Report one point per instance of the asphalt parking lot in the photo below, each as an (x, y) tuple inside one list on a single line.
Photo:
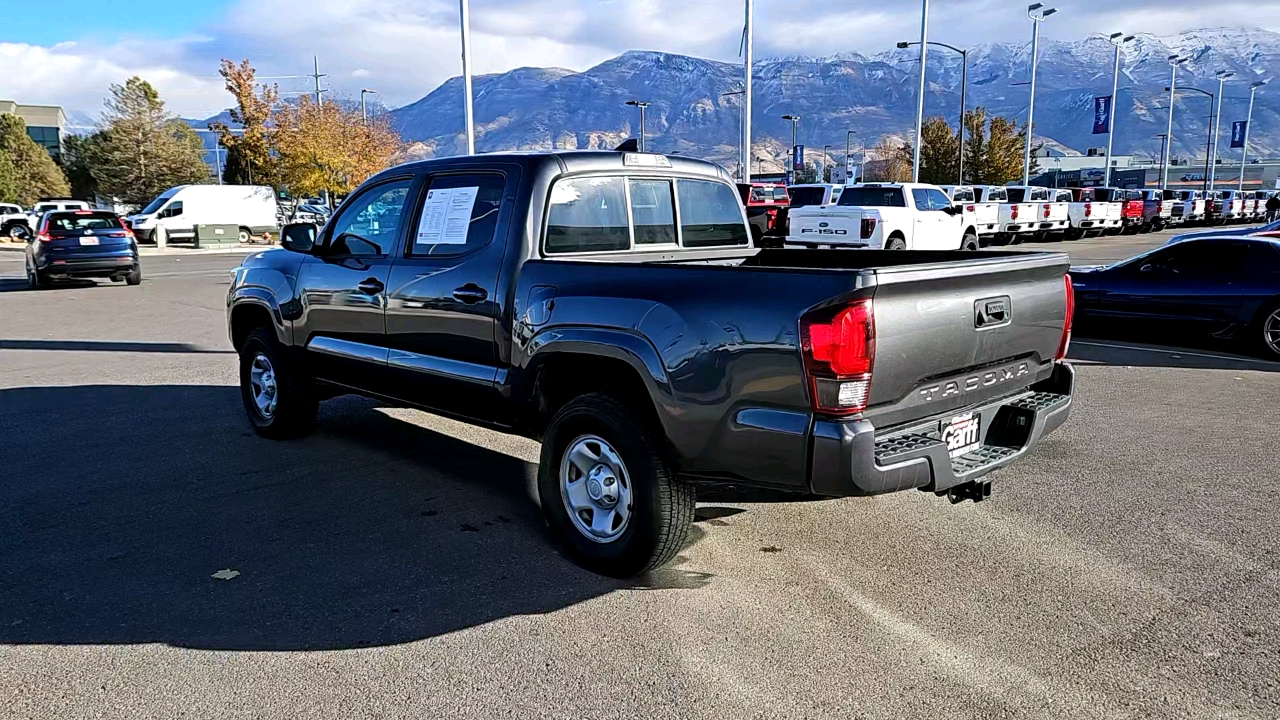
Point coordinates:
[(394, 565)]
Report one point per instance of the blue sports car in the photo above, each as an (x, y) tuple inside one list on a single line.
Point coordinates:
[(1225, 287)]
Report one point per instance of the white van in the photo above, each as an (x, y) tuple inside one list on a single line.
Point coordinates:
[(177, 211)]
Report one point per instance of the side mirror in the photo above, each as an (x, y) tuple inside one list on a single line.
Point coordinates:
[(299, 237)]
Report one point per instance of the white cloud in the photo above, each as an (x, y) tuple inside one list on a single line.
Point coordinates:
[(405, 48)]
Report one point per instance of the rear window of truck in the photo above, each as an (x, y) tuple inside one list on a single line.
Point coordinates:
[(806, 196), (612, 214), (872, 197)]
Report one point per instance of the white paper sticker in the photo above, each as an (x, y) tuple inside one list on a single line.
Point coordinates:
[(446, 216)]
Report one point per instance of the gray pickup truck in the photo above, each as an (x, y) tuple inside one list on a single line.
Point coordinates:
[(612, 306)]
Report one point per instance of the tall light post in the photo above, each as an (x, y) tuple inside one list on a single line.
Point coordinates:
[(1248, 120), (924, 47), (746, 94), (795, 122), (1162, 137), (1174, 62), (464, 19), (826, 164), (1117, 39), (642, 105), (1209, 141), (742, 171), (964, 84), (848, 167), (1037, 12), (1223, 76), (364, 112)]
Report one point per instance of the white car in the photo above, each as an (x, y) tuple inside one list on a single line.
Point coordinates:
[(985, 216), (890, 216)]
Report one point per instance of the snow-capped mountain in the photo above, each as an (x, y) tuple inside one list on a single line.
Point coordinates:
[(541, 108)]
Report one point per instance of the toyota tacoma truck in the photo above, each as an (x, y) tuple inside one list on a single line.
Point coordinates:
[(612, 306)]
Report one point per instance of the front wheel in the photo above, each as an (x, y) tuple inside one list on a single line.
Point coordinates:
[(277, 396), (36, 279), (608, 492)]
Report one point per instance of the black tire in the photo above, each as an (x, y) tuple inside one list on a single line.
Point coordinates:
[(135, 276), (294, 414), (1258, 333), (896, 243), (36, 279), (661, 504), (970, 242)]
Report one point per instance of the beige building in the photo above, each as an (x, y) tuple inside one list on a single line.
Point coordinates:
[(45, 123)]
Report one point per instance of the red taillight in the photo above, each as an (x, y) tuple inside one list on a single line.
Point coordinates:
[(1013, 213), (128, 232), (868, 227), (1046, 211), (970, 208), (1066, 322), (839, 350), (1088, 209), (44, 237)]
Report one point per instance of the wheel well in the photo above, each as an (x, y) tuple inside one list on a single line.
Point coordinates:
[(971, 230), (897, 234), (245, 319), (565, 376)]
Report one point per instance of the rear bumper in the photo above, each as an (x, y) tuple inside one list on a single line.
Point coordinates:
[(851, 458), (102, 266)]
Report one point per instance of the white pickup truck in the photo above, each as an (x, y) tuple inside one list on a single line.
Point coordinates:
[(12, 217), (984, 216), (1050, 215), (890, 216), (808, 194), (1157, 209), (1091, 212), (1230, 206), (1188, 207), (1015, 220)]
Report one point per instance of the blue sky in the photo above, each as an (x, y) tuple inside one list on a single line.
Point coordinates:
[(68, 52), (60, 20)]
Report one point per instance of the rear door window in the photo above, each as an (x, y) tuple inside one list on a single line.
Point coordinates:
[(920, 197), (459, 213), (710, 214), (589, 215)]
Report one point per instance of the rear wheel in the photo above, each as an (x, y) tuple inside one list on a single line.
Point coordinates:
[(278, 397), (608, 492), (135, 276), (1266, 333), (896, 243), (36, 279), (970, 242), (244, 235)]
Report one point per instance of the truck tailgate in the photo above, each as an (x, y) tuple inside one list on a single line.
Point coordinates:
[(951, 335), (840, 226)]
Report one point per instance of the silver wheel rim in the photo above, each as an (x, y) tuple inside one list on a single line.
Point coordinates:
[(596, 489), (262, 385), (1271, 331), (244, 237)]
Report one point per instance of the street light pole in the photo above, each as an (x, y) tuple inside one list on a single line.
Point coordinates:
[(964, 83), (826, 165), (464, 19), (1174, 62), (1223, 76), (924, 46), (795, 121), (746, 94), (364, 112), (1117, 39), (642, 105), (1248, 120), (848, 167), (741, 137), (1037, 12)]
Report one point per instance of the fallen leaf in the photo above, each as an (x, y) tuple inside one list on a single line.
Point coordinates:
[(225, 574)]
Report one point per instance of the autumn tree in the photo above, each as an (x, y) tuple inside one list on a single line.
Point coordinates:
[(31, 174), (325, 147), (145, 150), (248, 159), (939, 152), (891, 164)]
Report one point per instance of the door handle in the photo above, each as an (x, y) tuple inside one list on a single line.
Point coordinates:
[(470, 294), (370, 286)]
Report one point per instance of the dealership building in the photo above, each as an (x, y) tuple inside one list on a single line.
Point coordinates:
[(45, 124)]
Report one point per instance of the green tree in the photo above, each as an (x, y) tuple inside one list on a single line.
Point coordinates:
[(806, 174), (8, 180), (145, 150), (79, 153), (34, 174), (248, 159), (993, 149)]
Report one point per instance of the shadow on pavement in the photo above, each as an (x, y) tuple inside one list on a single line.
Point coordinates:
[(107, 346), (1111, 352), (121, 502)]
